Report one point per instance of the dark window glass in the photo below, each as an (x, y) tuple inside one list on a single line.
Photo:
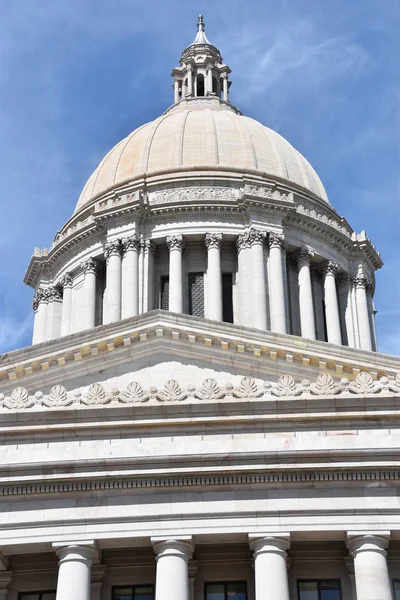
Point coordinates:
[(196, 294), (215, 85), (227, 301), (164, 300), (226, 591), (319, 590), (139, 592), (396, 589), (200, 85)]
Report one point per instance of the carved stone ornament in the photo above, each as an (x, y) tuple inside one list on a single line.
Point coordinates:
[(175, 242), (189, 195), (131, 243), (40, 296), (209, 391), (213, 240), (243, 241), (303, 255), (67, 280), (113, 248), (267, 193), (362, 282), (330, 267), (275, 240), (256, 237), (54, 294), (149, 246), (90, 266)]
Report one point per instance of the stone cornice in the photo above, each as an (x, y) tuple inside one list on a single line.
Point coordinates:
[(190, 192), (224, 342)]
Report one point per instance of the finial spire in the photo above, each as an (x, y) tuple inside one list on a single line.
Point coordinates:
[(200, 23), (201, 36)]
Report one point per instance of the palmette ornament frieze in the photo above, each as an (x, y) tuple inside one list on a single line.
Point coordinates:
[(209, 391)]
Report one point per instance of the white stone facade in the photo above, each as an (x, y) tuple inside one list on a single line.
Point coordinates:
[(203, 413)]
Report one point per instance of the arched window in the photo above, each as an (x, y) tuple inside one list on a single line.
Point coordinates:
[(200, 84)]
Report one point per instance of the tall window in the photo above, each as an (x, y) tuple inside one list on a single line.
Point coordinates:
[(38, 596), (227, 302), (164, 295), (328, 589), (139, 592), (226, 591), (200, 84), (196, 294)]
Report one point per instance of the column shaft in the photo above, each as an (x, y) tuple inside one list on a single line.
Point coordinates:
[(54, 313), (370, 566), (148, 275), (130, 278), (66, 313), (214, 276), (225, 88), (172, 580), (90, 268), (74, 571), (277, 291), (271, 580), (362, 313), (176, 91), (331, 303), (209, 82), (113, 281), (244, 277), (259, 289), (190, 82), (306, 303), (40, 306), (175, 245)]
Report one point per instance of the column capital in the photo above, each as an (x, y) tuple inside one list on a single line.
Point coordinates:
[(76, 551), (67, 280), (54, 294), (213, 240), (175, 242), (257, 237), (40, 296), (275, 240), (367, 542), (277, 543), (303, 254), (113, 248), (330, 267), (181, 546), (361, 281), (149, 246), (243, 241), (130, 243), (91, 265)]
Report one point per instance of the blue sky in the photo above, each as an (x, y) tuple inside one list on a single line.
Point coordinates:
[(77, 76)]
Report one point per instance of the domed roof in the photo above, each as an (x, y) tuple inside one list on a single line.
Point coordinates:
[(207, 135)]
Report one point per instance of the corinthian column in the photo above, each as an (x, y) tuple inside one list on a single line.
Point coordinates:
[(277, 290), (245, 283), (172, 579), (74, 570), (370, 565), (270, 566), (112, 252), (90, 269), (175, 244), (213, 243), (130, 277), (259, 290), (40, 306), (306, 303), (148, 279), (66, 312), (54, 295), (330, 269), (362, 313)]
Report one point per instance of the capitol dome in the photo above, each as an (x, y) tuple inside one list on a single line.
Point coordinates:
[(208, 135), (208, 213)]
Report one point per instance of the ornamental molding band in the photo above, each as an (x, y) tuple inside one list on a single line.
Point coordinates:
[(209, 391)]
